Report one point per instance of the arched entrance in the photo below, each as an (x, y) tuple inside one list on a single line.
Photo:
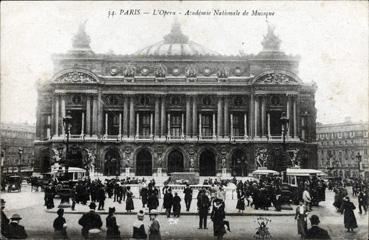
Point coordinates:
[(207, 163), (144, 163), (175, 162), (239, 163), (112, 162)]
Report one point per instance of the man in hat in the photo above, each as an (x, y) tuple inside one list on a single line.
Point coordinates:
[(188, 196), (4, 220), (316, 232), (203, 205), (154, 229), (16, 231), (90, 220)]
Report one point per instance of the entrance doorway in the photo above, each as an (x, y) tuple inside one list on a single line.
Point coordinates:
[(239, 163), (207, 163), (112, 163), (144, 163), (175, 161)]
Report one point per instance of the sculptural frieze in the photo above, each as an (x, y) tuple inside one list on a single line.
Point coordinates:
[(129, 71), (276, 78), (75, 77), (191, 71), (223, 72), (160, 71)]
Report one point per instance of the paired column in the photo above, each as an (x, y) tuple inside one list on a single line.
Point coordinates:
[(120, 125), (200, 126), (137, 125), (125, 117), (263, 116), (157, 116), (268, 125), (56, 115), (168, 131), (106, 124), (294, 118), (151, 125), (182, 126), (226, 118), (194, 117), (214, 134), (63, 112), (48, 134), (256, 116), (219, 117), (251, 115), (288, 113), (245, 124), (94, 116), (188, 116), (163, 115), (100, 115), (83, 124), (231, 125), (131, 117), (88, 115)]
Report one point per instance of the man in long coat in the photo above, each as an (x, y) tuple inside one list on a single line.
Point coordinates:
[(90, 220), (203, 205), (188, 196)]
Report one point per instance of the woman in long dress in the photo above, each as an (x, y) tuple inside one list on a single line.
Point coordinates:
[(154, 228), (349, 219), (129, 201), (241, 200), (300, 216)]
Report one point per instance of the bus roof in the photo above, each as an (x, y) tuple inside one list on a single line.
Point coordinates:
[(265, 172), (304, 172)]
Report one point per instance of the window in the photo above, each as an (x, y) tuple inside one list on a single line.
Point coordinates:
[(207, 125), (113, 123), (176, 125), (238, 124), (144, 124)]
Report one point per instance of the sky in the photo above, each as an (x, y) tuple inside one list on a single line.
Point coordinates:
[(331, 37)]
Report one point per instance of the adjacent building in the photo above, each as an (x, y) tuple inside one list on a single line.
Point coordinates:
[(343, 148), (176, 106), (17, 148)]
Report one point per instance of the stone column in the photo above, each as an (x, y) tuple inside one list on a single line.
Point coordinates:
[(131, 117), (157, 115), (226, 116), (194, 117), (163, 115), (219, 118), (214, 129), (245, 124), (48, 134), (125, 117), (94, 116), (262, 116), (100, 116), (120, 125), (83, 124), (168, 131), (251, 115), (288, 113), (56, 115), (231, 125), (182, 125), (268, 125), (294, 119), (200, 126), (63, 112), (88, 116), (106, 124), (188, 116), (256, 116), (151, 125), (137, 125)]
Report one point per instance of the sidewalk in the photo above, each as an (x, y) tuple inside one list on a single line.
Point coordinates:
[(120, 208)]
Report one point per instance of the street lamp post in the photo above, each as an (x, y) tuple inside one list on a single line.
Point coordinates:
[(284, 122), (358, 157), (67, 125), (20, 152)]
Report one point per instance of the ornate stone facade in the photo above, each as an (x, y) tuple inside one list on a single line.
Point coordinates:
[(177, 106)]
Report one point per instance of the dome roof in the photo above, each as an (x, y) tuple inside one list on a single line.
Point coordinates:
[(176, 44)]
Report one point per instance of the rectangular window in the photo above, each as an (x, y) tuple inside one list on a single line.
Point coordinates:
[(113, 123), (76, 122), (238, 124), (144, 124), (207, 125), (176, 125)]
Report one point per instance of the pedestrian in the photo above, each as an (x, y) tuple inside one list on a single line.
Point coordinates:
[(139, 227), (347, 209), (300, 216), (154, 228), (49, 197), (152, 201), (90, 221), (15, 230), (176, 205), (218, 216), (315, 232), (188, 196), (60, 225), (307, 199), (4, 220), (240, 200), (73, 197), (129, 200), (203, 205), (168, 202), (363, 201), (112, 229), (144, 195), (100, 196)]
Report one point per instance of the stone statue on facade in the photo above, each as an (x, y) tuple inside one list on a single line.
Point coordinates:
[(192, 163), (271, 41), (261, 157), (223, 163), (191, 71), (223, 72), (160, 71), (293, 157), (129, 71)]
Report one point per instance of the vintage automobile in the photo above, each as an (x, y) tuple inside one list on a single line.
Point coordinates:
[(14, 183), (264, 172)]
